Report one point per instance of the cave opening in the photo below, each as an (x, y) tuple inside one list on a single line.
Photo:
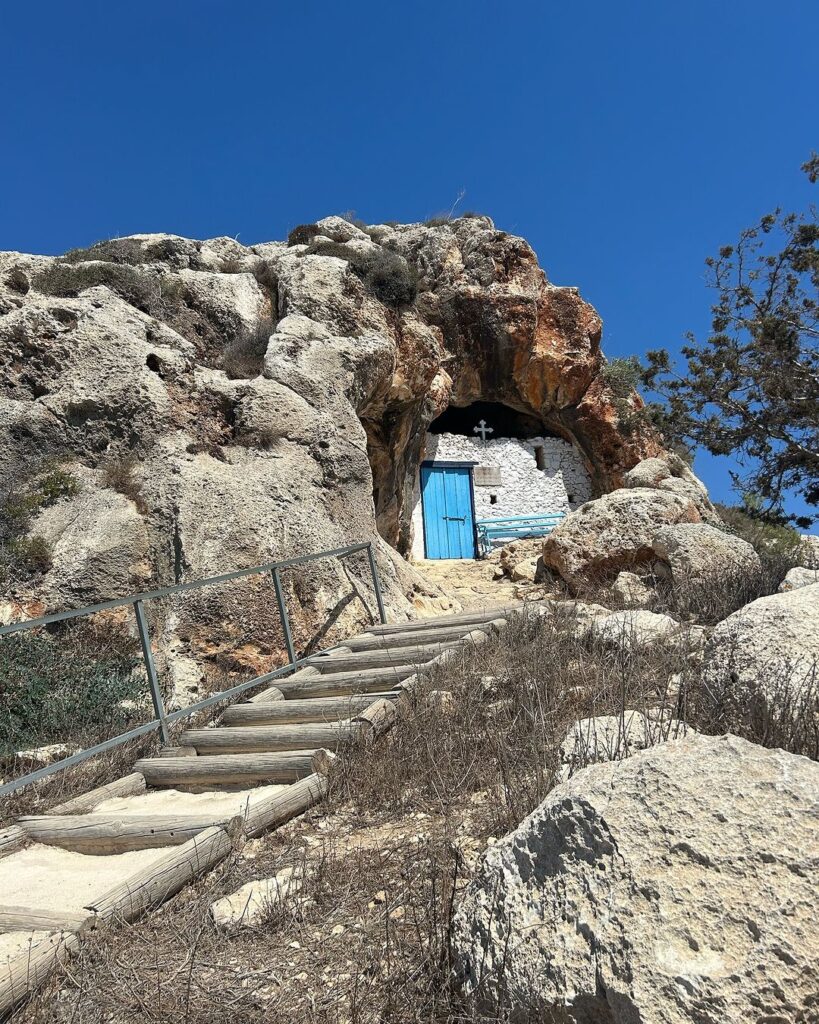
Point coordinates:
[(500, 421)]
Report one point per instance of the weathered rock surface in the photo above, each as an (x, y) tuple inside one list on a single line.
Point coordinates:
[(798, 577), (631, 591), (276, 399), (633, 629), (767, 652), (257, 900), (702, 558), (616, 532), (676, 885)]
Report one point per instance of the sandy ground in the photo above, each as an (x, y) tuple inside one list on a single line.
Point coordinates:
[(220, 803), (61, 880), (470, 582)]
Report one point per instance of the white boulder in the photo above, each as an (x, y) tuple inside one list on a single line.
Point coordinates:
[(675, 886), (767, 652), (798, 577)]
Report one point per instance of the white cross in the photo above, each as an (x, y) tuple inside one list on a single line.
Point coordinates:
[(483, 430)]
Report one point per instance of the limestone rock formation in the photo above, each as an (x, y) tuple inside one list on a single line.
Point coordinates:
[(702, 559), (767, 654), (633, 629), (615, 532), (223, 405), (676, 885), (630, 591)]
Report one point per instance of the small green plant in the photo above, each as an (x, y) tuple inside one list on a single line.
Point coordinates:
[(621, 376), (58, 690), (22, 556)]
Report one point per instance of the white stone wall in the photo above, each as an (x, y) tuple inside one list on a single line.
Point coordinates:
[(524, 488)]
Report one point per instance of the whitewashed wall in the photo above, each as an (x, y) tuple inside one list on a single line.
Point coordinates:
[(524, 488)]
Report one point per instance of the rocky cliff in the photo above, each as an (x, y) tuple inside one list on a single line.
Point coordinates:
[(217, 405)]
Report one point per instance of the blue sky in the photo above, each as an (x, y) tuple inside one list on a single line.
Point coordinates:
[(626, 141)]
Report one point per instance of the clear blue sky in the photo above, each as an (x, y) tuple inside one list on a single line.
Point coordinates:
[(626, 141)]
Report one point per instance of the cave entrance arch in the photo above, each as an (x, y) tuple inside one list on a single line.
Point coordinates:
[(516, 466)]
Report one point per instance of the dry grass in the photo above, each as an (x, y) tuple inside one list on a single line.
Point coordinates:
[(366, 939)]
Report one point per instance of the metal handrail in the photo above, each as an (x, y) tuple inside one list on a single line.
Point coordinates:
[(162, 719)]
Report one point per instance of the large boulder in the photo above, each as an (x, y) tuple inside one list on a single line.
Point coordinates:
[(633, 629), (616, 532), (766, 655), (675, 886), (671, 474), (702, 558)]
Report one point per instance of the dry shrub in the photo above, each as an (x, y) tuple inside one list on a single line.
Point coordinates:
[(244, 355), (497, 738), (119, 472)]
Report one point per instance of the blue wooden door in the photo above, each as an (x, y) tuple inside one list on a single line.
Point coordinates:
[(449, 529)]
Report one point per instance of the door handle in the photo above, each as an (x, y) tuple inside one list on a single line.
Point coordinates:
[(456, 519)]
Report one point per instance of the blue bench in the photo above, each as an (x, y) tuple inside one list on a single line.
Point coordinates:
[(514, 528)]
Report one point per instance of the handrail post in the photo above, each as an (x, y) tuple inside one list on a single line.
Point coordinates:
[(376, 584), (288, 638), (150, 668)]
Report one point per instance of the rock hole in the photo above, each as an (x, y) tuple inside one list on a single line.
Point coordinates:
[(154, 365), (540, 457)]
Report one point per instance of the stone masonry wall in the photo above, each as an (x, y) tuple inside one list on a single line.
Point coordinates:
[(562, 484)]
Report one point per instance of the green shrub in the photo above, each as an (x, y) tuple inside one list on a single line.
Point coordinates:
[(303, 234), (68, 280), (55, 690), (22, 556), (111, 250), (32, 553), (392, 280)]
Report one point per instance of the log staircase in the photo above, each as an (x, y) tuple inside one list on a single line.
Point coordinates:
[(286, 736)]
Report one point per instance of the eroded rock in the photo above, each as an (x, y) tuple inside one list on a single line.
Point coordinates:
[(668, 887)]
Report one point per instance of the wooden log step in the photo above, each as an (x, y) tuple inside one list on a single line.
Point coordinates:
[(417, 655), (268, 738), (321, 709), (395, 641), (470, 618), (128, 785), (274, 810), (105, 833), (35, 919), (158, 881), (12, 839), (228, 769), (24, 974), (336, 684)]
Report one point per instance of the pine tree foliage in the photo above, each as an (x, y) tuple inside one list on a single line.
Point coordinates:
[(751, 389)]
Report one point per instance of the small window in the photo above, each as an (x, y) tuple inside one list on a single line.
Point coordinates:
[(570, 498), (540, 457), (493, 499)]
